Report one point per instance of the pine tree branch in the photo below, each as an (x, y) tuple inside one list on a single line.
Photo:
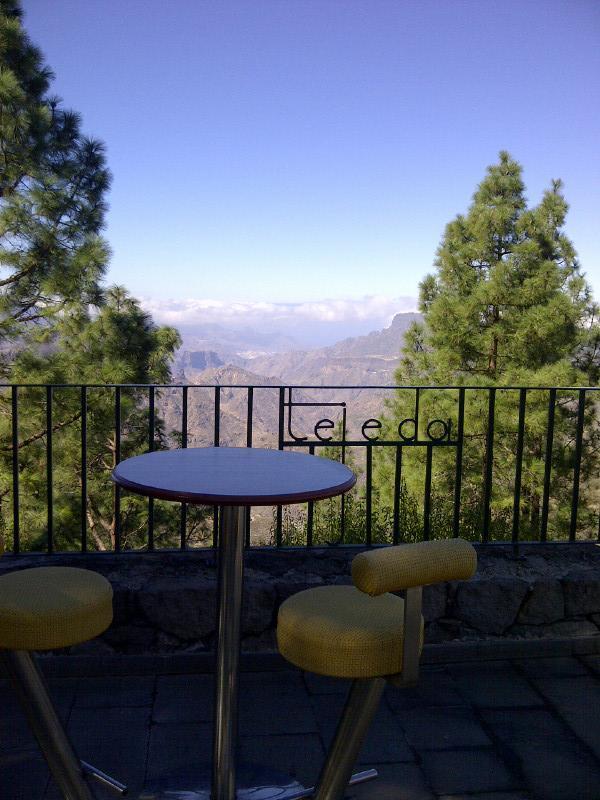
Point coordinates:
[(59, 426)]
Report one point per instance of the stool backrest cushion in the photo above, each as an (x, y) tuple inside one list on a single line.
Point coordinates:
[(391, 569)]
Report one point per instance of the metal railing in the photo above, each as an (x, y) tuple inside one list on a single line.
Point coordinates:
[(548, 438)]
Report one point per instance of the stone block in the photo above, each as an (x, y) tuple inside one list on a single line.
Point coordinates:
[(129, 638), (434, 601), (124, 605), (582, 593), (564, 628), (94, 647), (544, 603), (262, 643), (258, 607), (490, 606), (442, 630), (295, 581), (185, 607)]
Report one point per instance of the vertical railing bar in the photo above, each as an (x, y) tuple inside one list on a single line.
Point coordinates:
[(417, 402), (518, 471), (459, 460), (249, 436), (151, 435), (250, 417), (311, 511), (343, 500), (369, 498), (279, 511), (49, 470), (117, 459), (184, 444), (548, 465), (83, 411), (427, 500), (489, 463), (15, 469), (217, 423), (397, 491), (216, 443), (577, 467)]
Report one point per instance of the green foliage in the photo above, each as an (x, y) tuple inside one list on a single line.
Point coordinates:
[(52, 185), (58, 325), (82, 350), (507, 305)]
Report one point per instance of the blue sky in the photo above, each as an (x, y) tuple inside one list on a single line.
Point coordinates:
[(283, 154)]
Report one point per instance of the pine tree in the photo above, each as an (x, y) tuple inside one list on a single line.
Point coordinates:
[(507, 305), (118, 345), (52, 186), (58, 325)]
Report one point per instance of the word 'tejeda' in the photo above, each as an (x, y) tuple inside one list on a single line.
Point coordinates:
[(438, 430)]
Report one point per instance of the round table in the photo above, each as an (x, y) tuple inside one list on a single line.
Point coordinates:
[(233, 478)]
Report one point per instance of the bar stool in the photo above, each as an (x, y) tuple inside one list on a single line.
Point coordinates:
[(42, 609), (365, 633)]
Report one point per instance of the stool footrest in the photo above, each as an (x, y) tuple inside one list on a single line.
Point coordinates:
[(103, 778), (358, 777)]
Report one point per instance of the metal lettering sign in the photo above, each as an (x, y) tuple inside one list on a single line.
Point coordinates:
[(438, 432)]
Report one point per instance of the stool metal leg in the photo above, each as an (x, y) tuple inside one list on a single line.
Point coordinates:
[(30, 688), (360, 708)]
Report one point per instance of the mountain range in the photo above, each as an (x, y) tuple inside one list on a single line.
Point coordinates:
[(360, 360), (355, 366)]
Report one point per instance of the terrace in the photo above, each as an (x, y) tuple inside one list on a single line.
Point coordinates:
[(507, 701), (486, 730)]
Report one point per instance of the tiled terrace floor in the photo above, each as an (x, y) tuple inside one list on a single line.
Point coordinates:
[(496, 730)]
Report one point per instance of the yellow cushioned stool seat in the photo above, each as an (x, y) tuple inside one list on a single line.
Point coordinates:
[(48, 607), (342, 632)]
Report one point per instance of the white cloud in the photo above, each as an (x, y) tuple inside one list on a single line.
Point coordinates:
[(376, 308)]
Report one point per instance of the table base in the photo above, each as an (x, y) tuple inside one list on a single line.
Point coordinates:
[(254, 783)]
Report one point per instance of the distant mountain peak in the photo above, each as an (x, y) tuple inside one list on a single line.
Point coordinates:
[(386, 343)]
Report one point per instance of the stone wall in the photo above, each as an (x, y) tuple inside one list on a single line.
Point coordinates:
[(165, 602)]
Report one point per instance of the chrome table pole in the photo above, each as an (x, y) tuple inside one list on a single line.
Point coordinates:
[(229, 618)]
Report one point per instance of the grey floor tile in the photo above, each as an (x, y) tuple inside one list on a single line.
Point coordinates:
[(276, 713), (273, 703), (178, 748), (297, 756), (593, 662), (436, 687), (113, 739), (467, 771), (14, 730), (115, 691), (385, 741), (394, 782), (567, 667), (494, 685), (443, 728), (578, 703), (518, 795), (322, 684), (23, 776), (553, 762), (15, 733), (281, 681), (183, 698)]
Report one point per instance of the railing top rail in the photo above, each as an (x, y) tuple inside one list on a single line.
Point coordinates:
[(288, 386)]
